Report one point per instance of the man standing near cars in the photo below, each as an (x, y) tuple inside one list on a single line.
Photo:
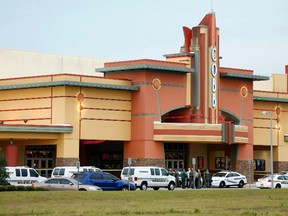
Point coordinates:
[(207, 179), (183, 178)]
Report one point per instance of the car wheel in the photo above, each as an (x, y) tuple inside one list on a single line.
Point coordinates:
[(222, 184), (241, 184), (143, 186), (171, 186), (124, 188), (278, 186), (156, 188)]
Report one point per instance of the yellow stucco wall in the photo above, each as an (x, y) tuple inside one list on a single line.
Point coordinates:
[(105, 113)]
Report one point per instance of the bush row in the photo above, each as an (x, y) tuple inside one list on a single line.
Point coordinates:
[(21, 188)]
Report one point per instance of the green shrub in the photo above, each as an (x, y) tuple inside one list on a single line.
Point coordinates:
[(3, 174), (21, 188)]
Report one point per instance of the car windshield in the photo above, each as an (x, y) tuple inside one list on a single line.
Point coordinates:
[(220, 174)]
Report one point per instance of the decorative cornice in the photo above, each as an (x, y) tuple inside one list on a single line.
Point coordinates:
[(244, 76), (145, 67), (37, 128), (68, 83), (283, 100)]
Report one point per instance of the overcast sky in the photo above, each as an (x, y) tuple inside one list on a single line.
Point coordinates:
[(253, 33)]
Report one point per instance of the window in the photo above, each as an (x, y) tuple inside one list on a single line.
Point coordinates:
[(152, 171), (157, 171), (18, 172), (259, 165), (96, 176), (33, 173), (64, 181), (219, 163), (164, 172), (126, 171), (61, 171), (24, 172), (56, 171), (52, 181)]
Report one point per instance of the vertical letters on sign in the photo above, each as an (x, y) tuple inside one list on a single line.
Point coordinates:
[(214, 71)]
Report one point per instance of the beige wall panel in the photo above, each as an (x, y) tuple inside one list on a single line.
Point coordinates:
[(106, 114), (198, 151), (68, 148), (265, 94), (66, 77), (106, 81), (25, 104), (25, 93), (26, 80), (107, 104), (105, 130), (27, 114), (180, 138), (262, 137), (280, 82), (106, 93), (187, 126)]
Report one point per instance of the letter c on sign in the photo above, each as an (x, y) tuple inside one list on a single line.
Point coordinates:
[(213, 54)]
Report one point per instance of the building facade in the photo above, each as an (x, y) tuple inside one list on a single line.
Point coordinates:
[(184, 111)]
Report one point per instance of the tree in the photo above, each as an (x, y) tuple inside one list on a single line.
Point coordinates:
[(3, 174)]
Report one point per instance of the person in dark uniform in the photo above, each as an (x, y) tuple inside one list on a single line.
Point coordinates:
[(207, 179), (176, 175), (199, 179), (183, 178)]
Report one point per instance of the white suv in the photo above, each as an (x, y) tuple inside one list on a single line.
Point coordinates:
[(148, 176), (228, 178)]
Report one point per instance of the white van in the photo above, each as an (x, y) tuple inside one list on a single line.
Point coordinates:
[(68, 171), (22, 175), (148, 176)]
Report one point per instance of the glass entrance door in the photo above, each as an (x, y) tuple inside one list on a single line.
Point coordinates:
[(42, 158)]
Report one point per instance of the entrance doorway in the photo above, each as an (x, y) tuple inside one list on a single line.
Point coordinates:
[(176, 155), (42, 158)]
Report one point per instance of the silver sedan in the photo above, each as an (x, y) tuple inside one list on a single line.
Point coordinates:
[(65, 184)]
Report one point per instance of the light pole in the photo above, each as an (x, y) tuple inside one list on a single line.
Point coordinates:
[(271, 147)]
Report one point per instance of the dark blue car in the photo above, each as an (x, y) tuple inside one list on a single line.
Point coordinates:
[(104, 180)]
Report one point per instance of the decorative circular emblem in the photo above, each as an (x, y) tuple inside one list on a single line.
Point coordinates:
[(156, 84), (244, 91), (278, 110), (80, 97)]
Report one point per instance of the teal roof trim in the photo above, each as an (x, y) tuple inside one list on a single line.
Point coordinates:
[(144, 67), (244, 76), (283, 100), (68, 83), (36, 129)]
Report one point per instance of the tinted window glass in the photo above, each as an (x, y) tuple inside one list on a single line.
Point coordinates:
[(24, 172), (18, 172), (80, 176), (52, 181), (126, 170), (96, 176), (164, 172), (152, 171), (157, 171), (56, 171), (106, 176), (64, 181), (61, 171), (33, 173)]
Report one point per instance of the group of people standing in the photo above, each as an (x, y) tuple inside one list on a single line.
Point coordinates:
[(192, 178)]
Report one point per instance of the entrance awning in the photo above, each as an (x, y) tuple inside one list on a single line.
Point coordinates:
[(200, 133)]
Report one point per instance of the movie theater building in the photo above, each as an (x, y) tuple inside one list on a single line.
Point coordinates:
[(155, 112)]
